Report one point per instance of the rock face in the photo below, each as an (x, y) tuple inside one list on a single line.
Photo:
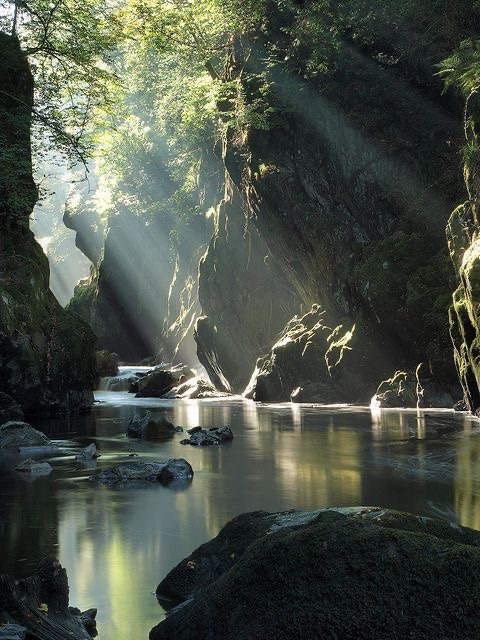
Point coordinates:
[(464, 246), (363, 573), (342, 203), (46, 353), (176, 468), (138, 302), (9, 409), (39, 604)]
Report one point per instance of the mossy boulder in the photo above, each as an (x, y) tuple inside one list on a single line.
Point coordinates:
[(363, 573)]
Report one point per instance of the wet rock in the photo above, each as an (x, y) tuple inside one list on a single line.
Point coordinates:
[(12, 632), (40, 605), (87, 619), (88, 453), (9, 409), (160, 381), (202, 437), (150, 427), (179, 429), (363, 573), (21, 434), (153, 471), (34, 467)]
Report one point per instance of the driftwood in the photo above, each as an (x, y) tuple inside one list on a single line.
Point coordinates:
[(40, 604)]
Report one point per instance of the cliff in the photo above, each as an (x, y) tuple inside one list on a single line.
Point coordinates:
[(46, 353), (347, 190)]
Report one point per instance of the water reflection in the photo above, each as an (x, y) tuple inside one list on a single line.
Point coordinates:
[(117, 543)]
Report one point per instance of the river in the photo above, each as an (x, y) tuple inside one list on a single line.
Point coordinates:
[(117, 543)]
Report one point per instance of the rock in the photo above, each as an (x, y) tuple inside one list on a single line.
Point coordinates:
[(202, 437), (363, 573), (21, 434), (88, 453), (160, 381), (313, 362), (150, 427), (461, 405), (87, 619), (177, 468), (195, 389), (106, 363), (9, 409), (179, 429), (34, 467), (194, 430), (12, 632), (39, 604), (412, 389)]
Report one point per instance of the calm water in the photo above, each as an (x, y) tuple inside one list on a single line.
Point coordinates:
[(117, 543)]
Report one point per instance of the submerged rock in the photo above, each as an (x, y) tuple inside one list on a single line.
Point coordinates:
[(21, 434), (34, 467), (363, 573), (39, 604), (150, 427), (88, 453), (175, 468)]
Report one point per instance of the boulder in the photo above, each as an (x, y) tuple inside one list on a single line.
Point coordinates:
[(150, 427), (9, 409), (21, 434), (162, 380), (39, 606), (363, 573), (175, 468)]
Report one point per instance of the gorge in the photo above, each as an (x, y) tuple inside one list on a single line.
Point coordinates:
[(275, 213)]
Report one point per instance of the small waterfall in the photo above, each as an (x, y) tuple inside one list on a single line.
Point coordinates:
[(124, 378)]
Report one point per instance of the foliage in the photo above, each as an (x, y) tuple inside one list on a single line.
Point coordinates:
[(69, 46)]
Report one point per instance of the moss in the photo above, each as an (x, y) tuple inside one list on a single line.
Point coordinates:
[(372, 576)]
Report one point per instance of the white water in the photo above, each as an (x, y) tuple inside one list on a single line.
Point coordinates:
[(124, 378)]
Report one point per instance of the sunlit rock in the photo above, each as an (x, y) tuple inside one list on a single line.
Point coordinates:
[(313, 363), (161, 381), (195, 389), (176, 468), (359, 572)]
